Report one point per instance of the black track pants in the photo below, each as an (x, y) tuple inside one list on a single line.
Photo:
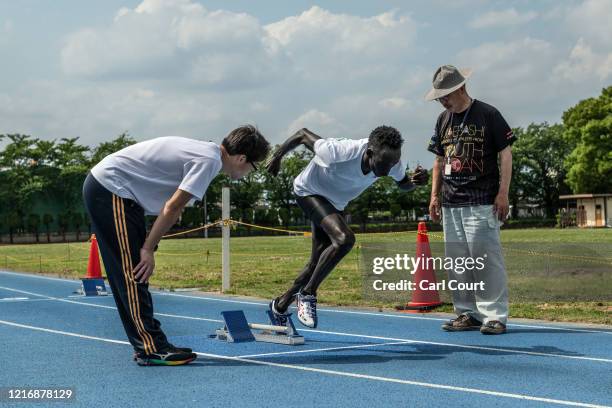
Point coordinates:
[(119, 225)]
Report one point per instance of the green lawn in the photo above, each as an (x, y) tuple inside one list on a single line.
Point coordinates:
[(554, 274)]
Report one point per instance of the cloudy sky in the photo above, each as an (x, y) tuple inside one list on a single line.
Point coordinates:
[(94, 69)]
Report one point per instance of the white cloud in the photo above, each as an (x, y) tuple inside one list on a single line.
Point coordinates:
[(322, 44), (507, 61), (590, 60), (121, 12), (513, 76), (457, 4), (175, 67), (6, 32), (7, 26), (174, 40), (258, 106), (509, 17), (182, 41), (48, 109), (342, 32), (275, 72), (584, 63), (591, 20), (314, 119), (393, 103)]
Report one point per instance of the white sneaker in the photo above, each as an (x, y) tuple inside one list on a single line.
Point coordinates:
[(307, 310)]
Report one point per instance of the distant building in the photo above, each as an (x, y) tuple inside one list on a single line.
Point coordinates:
[(586, 210), (529, 210)]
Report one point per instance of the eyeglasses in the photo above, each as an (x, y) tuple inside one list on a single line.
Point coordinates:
[(254, 165), (443, 98)]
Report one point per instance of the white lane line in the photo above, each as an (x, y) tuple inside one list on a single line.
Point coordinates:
[(12, 299), (46, 299), (75, 302), (332, 372), (366, 336), (215, 299), (65, 333), (396, 316), (358, 346), (464, 346), (31, 275)]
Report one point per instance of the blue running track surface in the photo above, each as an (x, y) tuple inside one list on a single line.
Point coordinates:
[(356, 358)]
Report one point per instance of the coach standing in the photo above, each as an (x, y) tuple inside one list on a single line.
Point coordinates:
[(472, 171)]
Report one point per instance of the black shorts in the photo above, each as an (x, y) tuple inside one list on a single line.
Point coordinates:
[(316, 207)]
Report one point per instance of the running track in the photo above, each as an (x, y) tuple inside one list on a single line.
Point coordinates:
[(354, 359)]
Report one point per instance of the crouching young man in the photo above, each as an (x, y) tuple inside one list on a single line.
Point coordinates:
[(156, 177)]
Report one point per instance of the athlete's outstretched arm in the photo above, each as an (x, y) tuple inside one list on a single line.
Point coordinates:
[(301, 137), (418, 178)]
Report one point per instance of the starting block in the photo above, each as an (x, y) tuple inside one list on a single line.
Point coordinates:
[(93, 287), (237, 329)]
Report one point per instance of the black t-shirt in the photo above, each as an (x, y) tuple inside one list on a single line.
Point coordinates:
[(472, 154)]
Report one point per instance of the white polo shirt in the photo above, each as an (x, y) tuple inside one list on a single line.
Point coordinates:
[(335, 172), (150, 172)]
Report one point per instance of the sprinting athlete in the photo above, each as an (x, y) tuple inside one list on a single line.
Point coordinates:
[(158, 177), (340, 171)]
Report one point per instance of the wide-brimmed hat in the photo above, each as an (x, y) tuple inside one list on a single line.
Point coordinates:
[(447, 79)]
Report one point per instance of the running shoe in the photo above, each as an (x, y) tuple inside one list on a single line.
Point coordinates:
[(169, 356), (278, 318), (307, 310)]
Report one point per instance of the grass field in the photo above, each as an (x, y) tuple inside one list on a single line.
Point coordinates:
[(563, 275)]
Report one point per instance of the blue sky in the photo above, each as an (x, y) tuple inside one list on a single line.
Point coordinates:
[(200, 68)]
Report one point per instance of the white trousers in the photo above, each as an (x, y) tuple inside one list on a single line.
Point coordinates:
[(474, 232)]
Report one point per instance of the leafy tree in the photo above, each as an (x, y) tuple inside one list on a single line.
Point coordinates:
[(87, 222), (191, 217), (246, 194), (588, 127), (213, 197), (375, 197), (20, 183), (279, 189), (538, 165), (63, 221), (417, 200), (106, 148), (395, 209), (77, 222), (266, 216), (384, 195), (13, 221), (34, 225), (47, 219), (73, 164)]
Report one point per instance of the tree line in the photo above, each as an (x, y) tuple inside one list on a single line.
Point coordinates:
[(574, 156)]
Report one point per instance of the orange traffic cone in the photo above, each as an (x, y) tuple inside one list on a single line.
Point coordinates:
[(423, 300), (93, 283), (93, 266)]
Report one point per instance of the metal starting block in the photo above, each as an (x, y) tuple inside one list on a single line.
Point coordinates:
[(92, 287), (237, 329)]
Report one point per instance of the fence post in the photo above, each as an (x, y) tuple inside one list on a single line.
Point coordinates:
[(225, 246), (205, 217)]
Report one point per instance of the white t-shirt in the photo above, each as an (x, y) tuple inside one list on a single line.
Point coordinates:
[(335, 172), (150, 172)]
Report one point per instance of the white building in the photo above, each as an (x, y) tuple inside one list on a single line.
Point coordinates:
[(591, 210)]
